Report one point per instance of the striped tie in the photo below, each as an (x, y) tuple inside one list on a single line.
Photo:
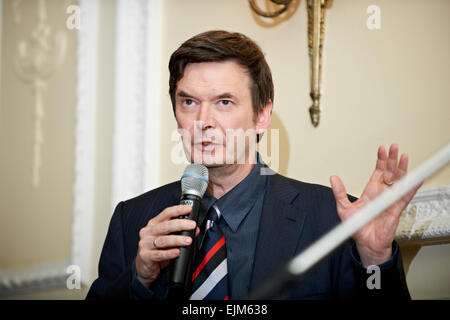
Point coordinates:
[(210, 278)]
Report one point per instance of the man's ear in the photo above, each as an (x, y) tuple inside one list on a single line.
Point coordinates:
[(264, 118)]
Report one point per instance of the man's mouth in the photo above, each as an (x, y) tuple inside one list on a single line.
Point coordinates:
[(206, 145)]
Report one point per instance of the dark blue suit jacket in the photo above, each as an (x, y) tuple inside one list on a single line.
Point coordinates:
[(295, 214)]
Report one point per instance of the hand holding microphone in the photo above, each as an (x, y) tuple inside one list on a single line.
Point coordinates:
[(157, 245), (165, 238)]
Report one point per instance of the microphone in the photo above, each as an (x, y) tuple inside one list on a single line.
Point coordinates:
[(194, 182)]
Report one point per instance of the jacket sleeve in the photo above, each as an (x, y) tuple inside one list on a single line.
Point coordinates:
[(385, 281), (117, 278), (114, 277)]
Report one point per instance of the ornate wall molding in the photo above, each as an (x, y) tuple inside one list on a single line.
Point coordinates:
[(85, 132), (136, 117), (153, 94), (50, 274), (136, 128), (129, 100), (40, 276), (426, 220), (37, 58), (136, 109)]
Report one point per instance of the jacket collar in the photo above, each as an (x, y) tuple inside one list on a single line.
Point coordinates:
[(280, 228)]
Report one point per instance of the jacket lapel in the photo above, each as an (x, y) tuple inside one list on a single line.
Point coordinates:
[(280, 228)]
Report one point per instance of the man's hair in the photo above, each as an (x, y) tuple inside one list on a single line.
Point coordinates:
[(219, 45)]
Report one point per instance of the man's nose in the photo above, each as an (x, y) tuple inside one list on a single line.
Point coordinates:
[(206, 117)]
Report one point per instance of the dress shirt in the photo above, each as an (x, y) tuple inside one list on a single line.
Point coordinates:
[(241, 209)]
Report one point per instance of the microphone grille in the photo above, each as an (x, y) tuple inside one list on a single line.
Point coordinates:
[(194, 180)]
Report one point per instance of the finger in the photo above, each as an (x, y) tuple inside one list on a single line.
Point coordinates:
[(340, 194), (161, 255), (171, 212), (167, 241), (172, 241), (377, 174), (402, 168), (381, 159), (145, 232), (173, 225), (153, 226), (391, 164)]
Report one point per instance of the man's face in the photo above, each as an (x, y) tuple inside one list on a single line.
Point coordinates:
[(215, 115)]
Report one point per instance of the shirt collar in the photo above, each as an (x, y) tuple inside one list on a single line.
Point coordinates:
[(237, 203)]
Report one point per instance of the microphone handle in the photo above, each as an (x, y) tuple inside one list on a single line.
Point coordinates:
[(178, 266)]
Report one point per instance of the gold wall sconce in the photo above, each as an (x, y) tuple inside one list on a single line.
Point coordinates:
[(316, 30)]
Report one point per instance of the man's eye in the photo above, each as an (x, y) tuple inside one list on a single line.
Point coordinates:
[(188, 102), (225, 103)]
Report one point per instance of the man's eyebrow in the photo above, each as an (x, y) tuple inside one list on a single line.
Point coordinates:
[(184, 94), (226, 95)]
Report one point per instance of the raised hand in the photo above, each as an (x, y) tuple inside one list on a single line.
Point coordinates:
[(374, 240)]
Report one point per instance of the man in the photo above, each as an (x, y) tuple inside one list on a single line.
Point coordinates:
[(221, 87)]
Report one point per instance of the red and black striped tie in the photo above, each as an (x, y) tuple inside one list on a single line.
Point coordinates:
[(210, 278)]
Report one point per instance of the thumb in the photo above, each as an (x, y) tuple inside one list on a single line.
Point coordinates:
[(340, 194)]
